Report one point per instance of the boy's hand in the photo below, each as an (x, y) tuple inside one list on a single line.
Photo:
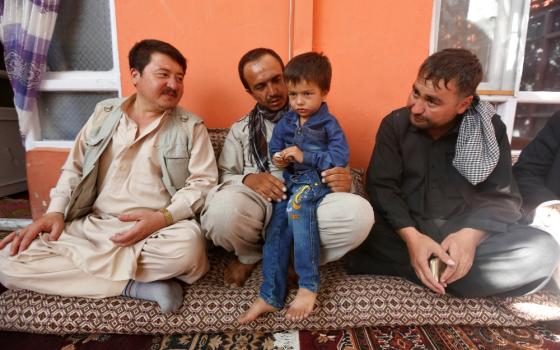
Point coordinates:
[(279, 161), (293, 153)]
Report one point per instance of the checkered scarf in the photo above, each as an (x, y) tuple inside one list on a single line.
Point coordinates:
[(257, 133), (477, 151)]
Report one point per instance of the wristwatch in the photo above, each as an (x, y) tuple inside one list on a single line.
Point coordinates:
[(167, 215)]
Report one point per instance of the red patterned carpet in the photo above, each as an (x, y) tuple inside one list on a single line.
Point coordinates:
[(429, 337), (418, 338), (15, 208)]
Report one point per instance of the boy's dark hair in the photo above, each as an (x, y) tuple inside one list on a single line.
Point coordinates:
[(449, 64), (254, 55), (140, 54), (311, 67)]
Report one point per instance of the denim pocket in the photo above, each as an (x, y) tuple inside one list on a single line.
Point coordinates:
[(315, 140)]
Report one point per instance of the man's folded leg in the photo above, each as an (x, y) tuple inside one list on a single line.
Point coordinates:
[(177, 251), (234, 218), (518, 262), (42, 271)]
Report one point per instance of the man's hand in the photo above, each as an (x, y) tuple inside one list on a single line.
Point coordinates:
[(147, 222), (52, 223), (547, 216), (266, 185), (338, 179), (292, 153), (461, 246), (421, 248)]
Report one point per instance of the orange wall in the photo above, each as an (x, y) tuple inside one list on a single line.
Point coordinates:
[(43, 169), (375, 48), (213, 35)]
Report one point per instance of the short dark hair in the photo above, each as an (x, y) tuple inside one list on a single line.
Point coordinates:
[(460, 65), (312, 67), (140, 54), (254, 55)]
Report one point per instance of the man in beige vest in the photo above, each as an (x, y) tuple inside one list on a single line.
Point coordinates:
[(121, 217), (237, 211)]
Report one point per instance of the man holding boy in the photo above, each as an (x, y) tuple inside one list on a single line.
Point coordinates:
[(305, 142), (441, 184), (121, 220), (237, 211)]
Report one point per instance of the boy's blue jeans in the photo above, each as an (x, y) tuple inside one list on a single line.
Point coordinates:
[(293, 220)]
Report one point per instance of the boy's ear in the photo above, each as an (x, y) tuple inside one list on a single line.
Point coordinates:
[(324, 95)]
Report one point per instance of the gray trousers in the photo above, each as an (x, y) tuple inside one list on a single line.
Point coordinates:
[(235, 217), (518, 262)]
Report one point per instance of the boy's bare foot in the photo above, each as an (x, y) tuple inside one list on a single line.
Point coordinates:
[(302, 305), (258, 308), (236, 273)]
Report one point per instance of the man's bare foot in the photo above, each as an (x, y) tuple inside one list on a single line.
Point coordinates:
[(258, 308), (236, 273), (302, 305)]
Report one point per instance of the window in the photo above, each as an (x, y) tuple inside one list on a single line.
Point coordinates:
[(541, 69), (529, 120), (518, 42), (489, 28), (82, 69)]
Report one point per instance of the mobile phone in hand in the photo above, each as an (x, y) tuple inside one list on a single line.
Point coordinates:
[(436, 267)]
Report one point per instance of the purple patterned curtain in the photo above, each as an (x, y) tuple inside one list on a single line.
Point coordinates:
[(26, 28)]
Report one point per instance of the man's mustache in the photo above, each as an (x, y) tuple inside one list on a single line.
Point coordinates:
[(170, 91)]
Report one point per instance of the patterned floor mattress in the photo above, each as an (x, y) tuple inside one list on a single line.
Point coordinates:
[(344, 301)]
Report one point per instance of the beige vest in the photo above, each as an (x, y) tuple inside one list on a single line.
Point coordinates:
[(174, 149)]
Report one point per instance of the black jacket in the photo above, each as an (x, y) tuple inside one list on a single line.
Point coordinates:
[(538, 169), (411, 181)]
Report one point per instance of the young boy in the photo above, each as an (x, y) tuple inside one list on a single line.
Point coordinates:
[(306, 141)]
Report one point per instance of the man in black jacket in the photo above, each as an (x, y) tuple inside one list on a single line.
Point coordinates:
[(441, 186), (538, 169), (538, 175)]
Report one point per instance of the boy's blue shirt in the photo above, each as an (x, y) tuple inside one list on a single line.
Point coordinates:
[(321, 140)]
